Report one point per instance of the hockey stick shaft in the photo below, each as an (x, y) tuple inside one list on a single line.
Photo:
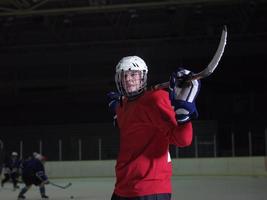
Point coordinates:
[(211, 66), (60, 186)]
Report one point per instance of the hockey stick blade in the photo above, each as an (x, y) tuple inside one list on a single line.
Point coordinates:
[(215, 60), (211, 66), (60, 186)]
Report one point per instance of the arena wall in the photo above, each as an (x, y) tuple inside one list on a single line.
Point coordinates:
[(254, 166)]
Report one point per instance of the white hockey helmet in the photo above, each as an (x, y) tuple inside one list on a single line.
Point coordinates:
[(131, 63), (40, 157), (35, 154), (14, 153)]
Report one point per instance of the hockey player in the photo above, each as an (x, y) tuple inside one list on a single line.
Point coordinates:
[(11, 170), (33, 173), (149, 121)]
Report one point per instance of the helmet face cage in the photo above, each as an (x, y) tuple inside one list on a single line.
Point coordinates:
[(126, 65), (122, 85)]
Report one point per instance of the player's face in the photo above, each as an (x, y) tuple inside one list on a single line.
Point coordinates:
[(131, 81)]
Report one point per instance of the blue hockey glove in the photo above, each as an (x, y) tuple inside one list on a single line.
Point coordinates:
[(114, 99), (183, 94), (41, 175)]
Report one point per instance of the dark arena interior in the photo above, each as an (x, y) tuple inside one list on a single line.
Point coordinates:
[(58, 61)]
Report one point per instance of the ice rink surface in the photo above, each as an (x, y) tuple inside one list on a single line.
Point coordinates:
[(184, 188)]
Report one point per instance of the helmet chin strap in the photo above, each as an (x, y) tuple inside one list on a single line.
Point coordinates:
[(136, 95)]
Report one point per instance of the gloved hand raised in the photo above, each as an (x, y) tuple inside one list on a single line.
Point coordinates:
[(182, 95), (114, 99)]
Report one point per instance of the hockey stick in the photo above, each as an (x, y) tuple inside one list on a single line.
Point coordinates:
[(60, 186), (210, 68)]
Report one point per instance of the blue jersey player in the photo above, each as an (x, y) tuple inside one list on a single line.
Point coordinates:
[(33, 173), (11, 170)]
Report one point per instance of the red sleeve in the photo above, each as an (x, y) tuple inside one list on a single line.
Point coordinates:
[(179, 135)]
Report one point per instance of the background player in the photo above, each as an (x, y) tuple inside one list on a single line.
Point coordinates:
[(149, 121), (33, 173), (11, 170)]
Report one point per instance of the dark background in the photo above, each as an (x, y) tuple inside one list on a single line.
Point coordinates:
[(58, 58)]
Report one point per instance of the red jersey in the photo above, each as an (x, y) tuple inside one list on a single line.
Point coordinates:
[(147, 127)]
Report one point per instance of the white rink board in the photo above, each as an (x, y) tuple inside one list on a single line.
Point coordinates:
[(184, 188), (184, 166)]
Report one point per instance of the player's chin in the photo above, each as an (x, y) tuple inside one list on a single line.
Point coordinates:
[(131, 89)]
